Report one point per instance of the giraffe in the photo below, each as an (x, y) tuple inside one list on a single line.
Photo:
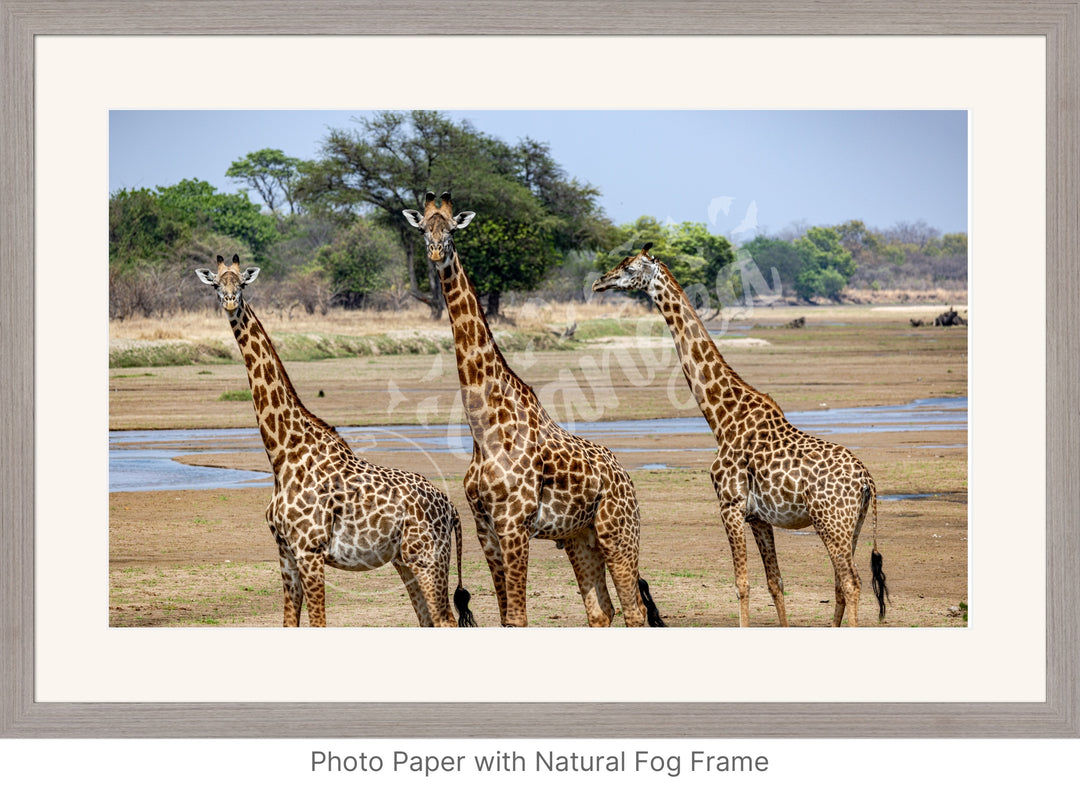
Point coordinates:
[(330, 507), (767, 472), (529, 477)]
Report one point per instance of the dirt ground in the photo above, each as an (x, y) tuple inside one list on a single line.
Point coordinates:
[(199, 557)]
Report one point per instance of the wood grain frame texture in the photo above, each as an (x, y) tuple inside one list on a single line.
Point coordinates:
[(21, 716)]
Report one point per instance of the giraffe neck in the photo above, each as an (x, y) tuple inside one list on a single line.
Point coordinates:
[(284, 423), (493, 395), (716, 387)]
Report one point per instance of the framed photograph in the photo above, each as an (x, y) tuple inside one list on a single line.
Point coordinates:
[(1010, 66)]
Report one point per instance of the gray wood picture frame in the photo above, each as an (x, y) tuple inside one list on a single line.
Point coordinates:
[(22, 716)]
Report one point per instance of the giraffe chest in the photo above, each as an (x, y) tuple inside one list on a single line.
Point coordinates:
[(561, 514), (779, 505)]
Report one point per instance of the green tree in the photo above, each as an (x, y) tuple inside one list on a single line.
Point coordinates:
[(954, 245), (781, 255), (829, 265), (197, 204), (863, 243), (821, 249), (271, 173), (360, 261), (715, 252), (505, 254), (141, 228)]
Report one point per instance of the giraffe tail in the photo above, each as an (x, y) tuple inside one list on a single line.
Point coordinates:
[(881, 591), (461, 596), (652, 612)]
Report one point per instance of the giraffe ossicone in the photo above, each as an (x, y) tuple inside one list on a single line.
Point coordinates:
[(329, 507), (528, 477), (767, 472)]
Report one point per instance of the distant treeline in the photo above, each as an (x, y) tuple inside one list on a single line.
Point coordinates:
[(330, 231)]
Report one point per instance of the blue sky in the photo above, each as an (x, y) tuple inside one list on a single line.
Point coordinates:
[(740, 172)]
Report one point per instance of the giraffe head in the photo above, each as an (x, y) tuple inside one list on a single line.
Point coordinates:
[(228, 282), (438, 225), (633, 273)]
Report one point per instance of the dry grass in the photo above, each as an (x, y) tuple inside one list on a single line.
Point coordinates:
[(908, 296), (209, 324), (528, 315)]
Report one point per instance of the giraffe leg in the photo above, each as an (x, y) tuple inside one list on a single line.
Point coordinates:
[(416, 594), (841, 600), (626, 586), (294, 589), (617, 535), (588, 566), (838, 545), (514, 544), (729, 481), (485, 534), (312, 577), (763, 535), (427, 559), (489, 543), (735, 525)]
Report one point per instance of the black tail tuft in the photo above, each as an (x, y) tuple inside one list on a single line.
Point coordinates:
[(651, 610), (461, 602), (881, 591)]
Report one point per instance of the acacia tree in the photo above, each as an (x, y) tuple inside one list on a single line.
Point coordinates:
[(388, 163), (392, 159), (271, 173)]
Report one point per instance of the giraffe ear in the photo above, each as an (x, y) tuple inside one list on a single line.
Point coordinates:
[(206, 276), (461, 220), (250, 275), (413, 217)]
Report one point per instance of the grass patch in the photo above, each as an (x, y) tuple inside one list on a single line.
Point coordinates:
[(599, 328), (169, 353), (236, 394), (309, 347)]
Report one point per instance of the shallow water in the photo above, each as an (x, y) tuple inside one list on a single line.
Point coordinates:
[(144, 460)]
